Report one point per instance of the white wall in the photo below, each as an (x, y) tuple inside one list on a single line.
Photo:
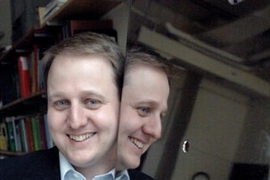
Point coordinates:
[(255, 139), (214, 132), (156, 150), (120, 17)]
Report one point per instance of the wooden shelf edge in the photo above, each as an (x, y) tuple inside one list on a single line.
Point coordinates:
[(62, 12), (12, 153), (19, 42), (13, 103), (84, 8)]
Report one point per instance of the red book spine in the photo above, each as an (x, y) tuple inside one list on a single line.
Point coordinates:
[(24, 76), (29, 134)]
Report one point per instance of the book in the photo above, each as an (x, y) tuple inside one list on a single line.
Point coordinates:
[(15, 120), (8, 85), (50, 9), (29, 134), (34, 69), (35, 131), (42, 133), (23, 135), (47, 131), (17, 133), (10, 133), (24, 76), (3, 137), (15, 83), (5, 80), (40, 75), (40, 11)]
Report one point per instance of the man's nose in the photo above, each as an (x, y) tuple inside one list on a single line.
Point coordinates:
[(153, 127), (76, 116)]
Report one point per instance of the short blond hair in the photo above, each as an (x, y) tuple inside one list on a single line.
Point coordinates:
[(137, 55), (88, 43)]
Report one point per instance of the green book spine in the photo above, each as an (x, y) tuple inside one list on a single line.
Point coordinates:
[(10, 132), (35, 130)]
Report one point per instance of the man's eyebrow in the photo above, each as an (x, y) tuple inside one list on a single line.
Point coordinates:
[(148, 102), (56, 94), (83, 93), (95, 94)]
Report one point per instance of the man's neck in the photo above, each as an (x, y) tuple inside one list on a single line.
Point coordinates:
[(88, 172)]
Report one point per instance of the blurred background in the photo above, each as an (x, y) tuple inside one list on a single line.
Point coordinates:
[(220, 93)]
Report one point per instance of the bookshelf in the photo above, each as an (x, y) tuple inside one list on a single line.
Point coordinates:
[(18, 108), (72, 9), (25, 105), (88, 9), (10, 153)]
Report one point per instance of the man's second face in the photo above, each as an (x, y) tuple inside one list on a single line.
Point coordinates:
[(144, 102)]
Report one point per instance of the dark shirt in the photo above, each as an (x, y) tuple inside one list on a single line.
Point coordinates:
[(138, 175), (42, 164)]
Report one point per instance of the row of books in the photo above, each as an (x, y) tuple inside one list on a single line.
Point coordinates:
[(23, 78), (25, 133), (8, 91), (30, 71)]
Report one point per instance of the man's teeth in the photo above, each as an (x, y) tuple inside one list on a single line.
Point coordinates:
[(138, 143), (81, 137)]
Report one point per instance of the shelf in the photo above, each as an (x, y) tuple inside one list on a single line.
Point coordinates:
[(35, 102), (12, 153), (83, 9), (44, 33), (72, 9), (25, 44), (10, 53)]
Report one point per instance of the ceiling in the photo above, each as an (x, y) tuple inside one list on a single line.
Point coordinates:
[(242, 30)]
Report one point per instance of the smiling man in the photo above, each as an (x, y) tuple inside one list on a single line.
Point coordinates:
[(143, 104), (83, 112), (83, 88), (84, 81)]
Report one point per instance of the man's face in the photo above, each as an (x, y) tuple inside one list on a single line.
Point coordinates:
[(144, 102), (83, 107)]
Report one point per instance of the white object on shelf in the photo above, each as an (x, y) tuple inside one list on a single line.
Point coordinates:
[(50, 9)]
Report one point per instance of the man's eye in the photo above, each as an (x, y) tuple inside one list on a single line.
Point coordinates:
[(93, 103), (143, 111), (61, 104)]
